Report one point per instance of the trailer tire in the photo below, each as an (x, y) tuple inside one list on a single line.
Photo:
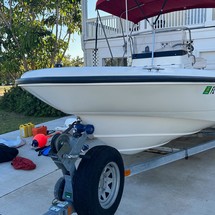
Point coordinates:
[(59, 188), (98, 182)]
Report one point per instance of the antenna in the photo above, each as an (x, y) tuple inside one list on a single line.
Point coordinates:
[(127, 48)]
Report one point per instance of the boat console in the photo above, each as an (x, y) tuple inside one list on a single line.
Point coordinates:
[(174, 53)]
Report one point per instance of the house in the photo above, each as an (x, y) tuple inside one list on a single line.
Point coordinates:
[(112, 48)]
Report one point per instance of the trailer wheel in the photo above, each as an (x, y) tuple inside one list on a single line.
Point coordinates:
[(98, 182), (59, 188), (53, 142)]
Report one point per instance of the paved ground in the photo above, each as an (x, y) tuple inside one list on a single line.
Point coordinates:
[(184, 187)]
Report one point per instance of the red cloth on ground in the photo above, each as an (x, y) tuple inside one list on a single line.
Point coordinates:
[(23, 163)]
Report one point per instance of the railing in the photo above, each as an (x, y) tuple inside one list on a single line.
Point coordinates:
[(114, 27), (182, 18)]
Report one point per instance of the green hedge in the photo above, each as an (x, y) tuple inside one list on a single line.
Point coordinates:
[(20, 101)]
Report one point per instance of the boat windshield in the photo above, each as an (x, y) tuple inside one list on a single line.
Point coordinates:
[(143, 9)]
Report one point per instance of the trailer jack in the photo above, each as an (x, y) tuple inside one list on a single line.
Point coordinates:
[(61, 208)]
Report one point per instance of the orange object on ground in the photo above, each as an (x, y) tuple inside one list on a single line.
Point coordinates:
[(39, 140), (39, 130)]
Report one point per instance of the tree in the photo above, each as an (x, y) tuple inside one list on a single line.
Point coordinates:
[(77, 62), (35, 34)]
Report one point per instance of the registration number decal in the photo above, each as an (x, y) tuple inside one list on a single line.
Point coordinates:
[(209, 90)]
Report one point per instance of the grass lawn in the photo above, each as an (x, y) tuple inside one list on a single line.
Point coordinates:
[(12, 121), (3, 88)]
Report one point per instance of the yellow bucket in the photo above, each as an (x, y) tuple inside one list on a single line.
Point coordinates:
[(30, 126), (26, 129), (23, 130)]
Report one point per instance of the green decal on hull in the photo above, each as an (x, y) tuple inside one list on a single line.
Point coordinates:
[(209, 90)]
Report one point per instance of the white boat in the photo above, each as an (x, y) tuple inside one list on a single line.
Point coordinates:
[(138, 107)]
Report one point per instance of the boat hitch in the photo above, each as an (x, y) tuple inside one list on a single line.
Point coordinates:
[(86, 163)]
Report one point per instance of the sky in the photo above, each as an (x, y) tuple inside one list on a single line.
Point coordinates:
[(75, 44)]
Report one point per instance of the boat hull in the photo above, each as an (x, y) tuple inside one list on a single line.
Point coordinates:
[(134, 116), (133, 134)]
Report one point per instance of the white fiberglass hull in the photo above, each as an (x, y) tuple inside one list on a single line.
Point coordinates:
[(130, 115)]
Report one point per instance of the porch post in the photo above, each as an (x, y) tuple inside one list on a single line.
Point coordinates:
[(84, 28), (209, 17)]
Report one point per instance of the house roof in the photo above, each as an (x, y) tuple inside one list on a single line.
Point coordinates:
[(142, 9)]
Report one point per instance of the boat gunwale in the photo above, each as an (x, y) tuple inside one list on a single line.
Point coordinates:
[(113, 79)]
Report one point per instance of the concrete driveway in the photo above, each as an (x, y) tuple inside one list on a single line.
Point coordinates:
[(184, 187)]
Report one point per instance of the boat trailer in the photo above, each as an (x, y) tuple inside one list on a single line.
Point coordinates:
[(93, 173)]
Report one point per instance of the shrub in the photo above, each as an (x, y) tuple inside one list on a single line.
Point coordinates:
[(20, 101)]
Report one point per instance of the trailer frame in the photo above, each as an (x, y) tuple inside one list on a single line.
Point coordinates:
[(67, 162)]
